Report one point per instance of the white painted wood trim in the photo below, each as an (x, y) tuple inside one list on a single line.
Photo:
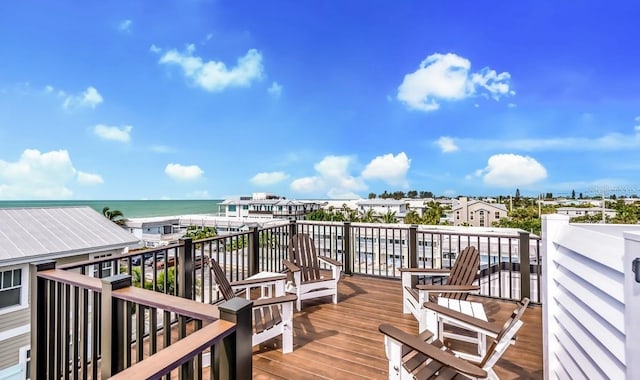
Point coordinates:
[(20, 330), (632, 305)]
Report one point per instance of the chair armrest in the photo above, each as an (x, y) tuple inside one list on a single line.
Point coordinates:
[(433, 352), (453, 314), (330, 261), (427, 271), (257, 281), (274, 300), (448, 288), (291, 266)]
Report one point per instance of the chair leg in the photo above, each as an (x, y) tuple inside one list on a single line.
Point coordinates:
[(287, 327), (393, 349)]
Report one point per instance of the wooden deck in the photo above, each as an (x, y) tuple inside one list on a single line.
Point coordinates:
[(342, 341)]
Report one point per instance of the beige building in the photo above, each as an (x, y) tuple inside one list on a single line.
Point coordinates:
[(476, 213), (28, 235)]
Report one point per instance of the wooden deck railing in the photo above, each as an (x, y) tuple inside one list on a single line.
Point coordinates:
[(84, 327)]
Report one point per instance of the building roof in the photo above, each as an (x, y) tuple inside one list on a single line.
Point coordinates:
[(29, 234), (380, 202), (499, 206)]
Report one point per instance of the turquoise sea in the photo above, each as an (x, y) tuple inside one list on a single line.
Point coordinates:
[(131, 208)]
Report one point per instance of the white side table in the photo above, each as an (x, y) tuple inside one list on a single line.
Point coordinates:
[(472, 309), (271, 284)]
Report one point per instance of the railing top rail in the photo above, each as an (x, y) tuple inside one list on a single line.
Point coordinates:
[(178, 353), (72, 278), (149, 298), (182, 306)]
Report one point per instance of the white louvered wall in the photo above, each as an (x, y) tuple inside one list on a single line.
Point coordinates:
[(583, 300)]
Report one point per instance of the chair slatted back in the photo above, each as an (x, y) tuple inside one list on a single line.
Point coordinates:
[(464, 271), (516, 315), (302, 252), (221, 279)]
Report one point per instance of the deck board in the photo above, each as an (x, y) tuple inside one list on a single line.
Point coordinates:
[(342, 341)]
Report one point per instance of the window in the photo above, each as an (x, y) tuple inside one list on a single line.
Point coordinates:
[(497, 214), (104, 269), (231, 208), (25, 361), (166, 230), (245, 207), (457, 214), (10, 288), (471, 215)]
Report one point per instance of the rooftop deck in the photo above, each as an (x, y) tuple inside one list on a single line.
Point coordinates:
[(342, 341)]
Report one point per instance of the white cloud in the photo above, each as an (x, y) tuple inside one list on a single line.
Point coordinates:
[(332, 178), (214, 76), (89, 178), (38, 175), (446, 77), (121, 134), (89, 98), (125, 26), (275, 90), (608, 142), (637, 127), (268, 178), (180, 172), (389, 168), (512, 170), (447, 144), (154, 49), (512, 105), (48, 89)]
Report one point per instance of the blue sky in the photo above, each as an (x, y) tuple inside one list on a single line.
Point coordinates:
[(317, 99)]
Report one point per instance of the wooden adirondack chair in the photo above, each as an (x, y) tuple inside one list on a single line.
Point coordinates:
[(308, 280), (272, 316), (411, 357), (459, 284)]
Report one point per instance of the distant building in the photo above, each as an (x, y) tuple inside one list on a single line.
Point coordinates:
[(476, 213), (28, 235), (583, 211), (383, 206), (267, 206)]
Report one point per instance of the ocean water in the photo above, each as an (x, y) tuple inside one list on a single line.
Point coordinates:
[(131, 208)]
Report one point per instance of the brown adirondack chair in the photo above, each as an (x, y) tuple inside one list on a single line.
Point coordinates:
[(413, 357), (308, 280), (272, 316), (458, 285)]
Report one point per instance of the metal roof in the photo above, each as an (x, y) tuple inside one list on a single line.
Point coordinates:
[(38, 233)]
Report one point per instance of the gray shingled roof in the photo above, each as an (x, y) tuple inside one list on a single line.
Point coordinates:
[(29, 234)]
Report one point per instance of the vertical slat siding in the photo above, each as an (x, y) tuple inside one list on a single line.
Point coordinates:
[(584, 298)]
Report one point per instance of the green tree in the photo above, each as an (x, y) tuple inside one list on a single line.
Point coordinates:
[(525, 218), (573, 194), (433, 213), (115, 216), (369, 216), (372, 195), (389, 217), (198, 233), (412, 217), (412, 194)]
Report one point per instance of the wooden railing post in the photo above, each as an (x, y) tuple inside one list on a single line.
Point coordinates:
[(232, 357), (184, 278), (413, 246), (254, 251), (346, 248), (293, 229), (113, 332), (525, 272), (39, 325)]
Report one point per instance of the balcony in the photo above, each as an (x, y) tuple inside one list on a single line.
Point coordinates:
[(180, 329)]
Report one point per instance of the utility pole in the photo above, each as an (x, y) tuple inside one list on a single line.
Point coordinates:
[(603, 205), (539, 205)]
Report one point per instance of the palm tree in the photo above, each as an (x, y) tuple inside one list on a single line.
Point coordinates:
[(389, 217), (370, 216), (412, 217), (432, 214), (115, 216)]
